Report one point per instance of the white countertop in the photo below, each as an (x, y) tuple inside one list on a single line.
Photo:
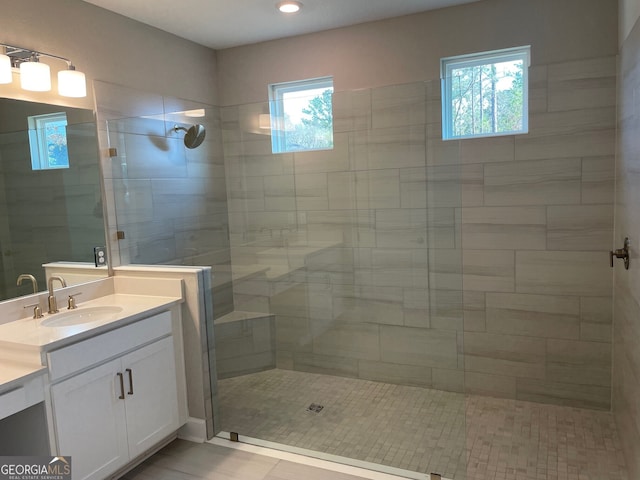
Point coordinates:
[(14, 374), (29, 334)]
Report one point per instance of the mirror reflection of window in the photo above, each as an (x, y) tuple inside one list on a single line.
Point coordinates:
[(48, 141)]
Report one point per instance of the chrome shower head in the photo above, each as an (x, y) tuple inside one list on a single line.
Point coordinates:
[(194, 136)]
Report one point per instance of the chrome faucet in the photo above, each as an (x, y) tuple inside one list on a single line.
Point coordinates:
[(26, 276), (53, 305)]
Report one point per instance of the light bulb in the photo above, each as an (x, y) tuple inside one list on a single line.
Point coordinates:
[(35, 76), (289, 6), (5, 69), (72, 83)]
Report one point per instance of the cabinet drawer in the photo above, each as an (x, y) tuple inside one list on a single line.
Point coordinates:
[(22, 397), (102, 347)]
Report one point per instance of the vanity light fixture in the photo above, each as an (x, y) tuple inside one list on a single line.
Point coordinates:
[(289, 6), (35, 76), (5, 69)]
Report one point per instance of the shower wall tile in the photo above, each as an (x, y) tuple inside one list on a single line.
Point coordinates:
[(246, 165), (580, 144), (448, 380), (401, 228), (351, 111), (417, 346), (582, 83), (474, 311), (379, 305), (571, 121), (279, 192), (538, 90), (413, 187), (579, 227), (440, 152), (335, 160), (442, 228), (582, 363), (311, 191), (563, 273), (398, 105), (342, 191), (378, 189), (348, 340), (488, 270), (444, 186), (487, 150), (533, 315), (490, 385), (472, 184), (328, 365), (504, 355), (504, 228), (598, 176), (394, 373), (245, 194), (579, 396), (596, 319), (543, 182), (397, 147)]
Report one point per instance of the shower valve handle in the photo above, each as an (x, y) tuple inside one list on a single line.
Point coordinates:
[(621, 253)]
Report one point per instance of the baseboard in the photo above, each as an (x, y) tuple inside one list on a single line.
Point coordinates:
[(195, 430)]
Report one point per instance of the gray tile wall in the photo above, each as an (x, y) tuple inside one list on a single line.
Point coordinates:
[(438, 263), (170, 201), (626, 338)]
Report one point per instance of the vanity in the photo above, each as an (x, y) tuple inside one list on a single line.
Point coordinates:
[(103, 383)]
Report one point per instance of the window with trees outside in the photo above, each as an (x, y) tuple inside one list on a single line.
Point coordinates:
[(48, 141), (485, 94), (301, 115)]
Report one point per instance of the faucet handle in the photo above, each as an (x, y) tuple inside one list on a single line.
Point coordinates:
[(37, 311), (71, 303)]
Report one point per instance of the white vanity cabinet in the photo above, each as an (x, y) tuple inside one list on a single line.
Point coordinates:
[(107, 411)]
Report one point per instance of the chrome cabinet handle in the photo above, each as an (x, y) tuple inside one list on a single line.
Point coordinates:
[(121, 397), (622, 253), (130, 392)]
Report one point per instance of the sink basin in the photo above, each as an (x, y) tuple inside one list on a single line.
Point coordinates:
[(81, 316)]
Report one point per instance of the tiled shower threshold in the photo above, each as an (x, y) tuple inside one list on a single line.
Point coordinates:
[(312, 458)]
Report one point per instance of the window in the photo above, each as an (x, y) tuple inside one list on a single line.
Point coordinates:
[(301, 115), (48, 141), (485, 94)]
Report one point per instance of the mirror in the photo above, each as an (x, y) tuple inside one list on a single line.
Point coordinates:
[(50, 195)]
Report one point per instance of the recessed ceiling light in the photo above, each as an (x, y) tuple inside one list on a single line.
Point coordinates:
[(289, 6)]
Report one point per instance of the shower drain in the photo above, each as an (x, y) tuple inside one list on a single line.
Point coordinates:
[(315, 408)]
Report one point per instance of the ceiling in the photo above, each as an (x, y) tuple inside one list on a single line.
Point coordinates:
[(227, 23)]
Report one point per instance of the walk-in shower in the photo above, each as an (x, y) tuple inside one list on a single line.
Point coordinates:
[(419, 291)]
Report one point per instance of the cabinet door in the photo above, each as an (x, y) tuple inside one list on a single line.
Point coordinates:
[(152, 408), (90, 421)]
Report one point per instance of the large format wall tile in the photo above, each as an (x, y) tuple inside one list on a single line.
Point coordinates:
[(488, 270), (418, 346), (543, 182), (563, 273), (533, 315), (582, 84), (509, 355), (579, 227), (506, 228)]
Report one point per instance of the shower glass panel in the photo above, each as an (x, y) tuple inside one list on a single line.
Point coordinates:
[(346, 333)]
